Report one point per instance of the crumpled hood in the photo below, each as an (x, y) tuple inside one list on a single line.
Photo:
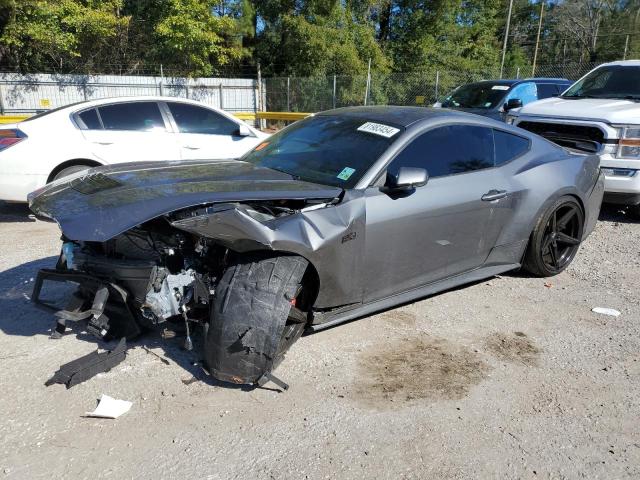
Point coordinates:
[(106, 201), (599, 109)]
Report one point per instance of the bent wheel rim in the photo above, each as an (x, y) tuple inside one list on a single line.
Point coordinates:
[(561, 237)]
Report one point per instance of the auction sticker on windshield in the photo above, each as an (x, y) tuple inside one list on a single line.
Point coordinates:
[(346, 173), (378, 129), (500, 87)]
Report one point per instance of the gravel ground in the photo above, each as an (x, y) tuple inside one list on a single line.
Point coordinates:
[(513, 377)]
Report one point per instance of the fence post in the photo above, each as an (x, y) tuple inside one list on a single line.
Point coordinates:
[(161, 81), (626, 47), (1, 101), (334, 91), (259, 106), (518, 73), (437, 83), (220, 92), (288, 94), (186, 87)]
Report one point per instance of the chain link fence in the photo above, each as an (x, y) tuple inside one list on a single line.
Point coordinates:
[(20, 93), (294, 94)]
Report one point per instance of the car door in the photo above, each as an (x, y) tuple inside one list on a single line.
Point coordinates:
[(203, 133), (128, 131), (443, 228)]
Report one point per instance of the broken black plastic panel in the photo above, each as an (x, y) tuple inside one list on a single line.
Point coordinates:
[(83, 368)]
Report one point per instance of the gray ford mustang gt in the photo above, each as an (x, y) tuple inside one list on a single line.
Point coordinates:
[(348, 212)]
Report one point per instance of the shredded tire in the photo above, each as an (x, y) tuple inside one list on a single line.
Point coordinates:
[(248, 332)]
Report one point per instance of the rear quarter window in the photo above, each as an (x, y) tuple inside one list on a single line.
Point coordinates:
[(89, 120), (508, 146)]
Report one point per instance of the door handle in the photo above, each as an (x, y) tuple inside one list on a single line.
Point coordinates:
[(103, 143), (191, 147), (492, 195)]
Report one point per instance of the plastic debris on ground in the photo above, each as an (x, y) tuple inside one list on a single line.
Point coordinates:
[(109, 407), (606, 311)]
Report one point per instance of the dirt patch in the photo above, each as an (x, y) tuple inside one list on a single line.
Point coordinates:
[(514, 347), (415, 369), (399, 318)]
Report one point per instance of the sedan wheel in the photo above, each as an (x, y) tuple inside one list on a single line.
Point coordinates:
[(70, 171), (556, 238)]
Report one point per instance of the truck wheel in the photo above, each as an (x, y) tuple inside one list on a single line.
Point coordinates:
[(253, 319), (555, 239)]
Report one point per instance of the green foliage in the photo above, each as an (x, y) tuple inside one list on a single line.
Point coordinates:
[(191, 39), (40, 33), (315, 38)]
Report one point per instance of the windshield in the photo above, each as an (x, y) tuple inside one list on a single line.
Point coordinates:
[(476, 95), (330, 150), (613, 81)]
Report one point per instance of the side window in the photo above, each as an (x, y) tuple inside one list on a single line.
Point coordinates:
[(508, 146), (527, 92), (194, 119), (546, 90), (448, 150), (89, 120), (138, 116)]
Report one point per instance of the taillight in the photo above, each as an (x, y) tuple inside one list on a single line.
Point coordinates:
[(9, 137)]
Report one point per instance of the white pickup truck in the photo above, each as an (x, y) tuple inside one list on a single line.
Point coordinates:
[(600, 112)]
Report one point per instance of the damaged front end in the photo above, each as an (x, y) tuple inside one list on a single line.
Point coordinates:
[(169, 269)]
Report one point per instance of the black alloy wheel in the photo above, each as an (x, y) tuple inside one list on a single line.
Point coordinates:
[(562, 237), (555, 239)]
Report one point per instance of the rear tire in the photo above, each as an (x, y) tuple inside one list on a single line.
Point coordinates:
[(252, 325), (555, 239)]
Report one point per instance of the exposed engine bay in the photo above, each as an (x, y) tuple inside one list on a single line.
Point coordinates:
[(156, 273)]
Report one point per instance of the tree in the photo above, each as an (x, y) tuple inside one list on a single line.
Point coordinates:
[(42, 35)]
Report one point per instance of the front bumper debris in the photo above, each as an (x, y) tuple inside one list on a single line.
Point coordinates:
[(109, 315), (83, 368)]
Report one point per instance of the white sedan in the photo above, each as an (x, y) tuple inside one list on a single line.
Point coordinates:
[(69, 139)]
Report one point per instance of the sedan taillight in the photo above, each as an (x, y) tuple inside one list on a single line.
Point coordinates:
[(10, 136)]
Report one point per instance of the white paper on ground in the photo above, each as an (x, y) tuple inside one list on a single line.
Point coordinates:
[(606, 311), (109, 407)]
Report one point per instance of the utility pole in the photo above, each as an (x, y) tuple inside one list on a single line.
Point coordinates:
[(506, 36), (366, 91), (535, 52)]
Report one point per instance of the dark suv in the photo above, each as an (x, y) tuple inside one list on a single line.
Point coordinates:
[(494, 98)]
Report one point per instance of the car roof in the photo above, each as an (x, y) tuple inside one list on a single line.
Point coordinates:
[(397, 115), (514, 81), (109, 100), (623, 63)]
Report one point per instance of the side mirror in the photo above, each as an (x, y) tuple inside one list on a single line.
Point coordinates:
[(406, 179), (244, 131), (512, 103)]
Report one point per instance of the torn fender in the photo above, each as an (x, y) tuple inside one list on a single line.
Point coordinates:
[(330, 237)]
